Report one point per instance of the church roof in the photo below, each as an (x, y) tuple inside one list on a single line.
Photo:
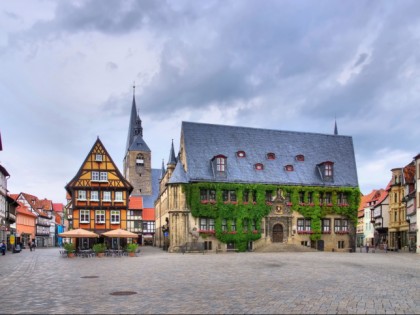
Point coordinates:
[(273, 149), (138, 144)]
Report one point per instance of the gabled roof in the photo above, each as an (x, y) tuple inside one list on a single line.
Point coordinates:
[(21, 209), (58, 207), (202, 142), (148, 214), (135, 203), (98, 144)]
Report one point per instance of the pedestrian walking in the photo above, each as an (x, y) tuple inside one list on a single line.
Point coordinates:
[(30, 245), (3, 248), (385, 248), (367, 247)]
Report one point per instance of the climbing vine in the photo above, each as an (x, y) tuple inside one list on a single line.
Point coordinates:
[(238, 211)]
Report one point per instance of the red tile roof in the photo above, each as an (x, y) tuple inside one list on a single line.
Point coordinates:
[(24, 210), (149, 214), (135, 203), (58, 207)]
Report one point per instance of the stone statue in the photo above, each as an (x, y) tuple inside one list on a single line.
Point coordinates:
[(195, 234)]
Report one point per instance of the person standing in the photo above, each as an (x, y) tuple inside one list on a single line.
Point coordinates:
[(385, 247), (30, 245), (367, 247), (3, 248)]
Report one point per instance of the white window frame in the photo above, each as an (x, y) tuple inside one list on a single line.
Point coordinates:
[(115, 216), (119, 196), (84, 216), (98, 157), (95, 176), (100, 216), (81, 195), (94, 195), (106, 196), (103, 176)]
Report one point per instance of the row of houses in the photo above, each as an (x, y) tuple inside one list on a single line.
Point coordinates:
[(25, 217), (388, 217)]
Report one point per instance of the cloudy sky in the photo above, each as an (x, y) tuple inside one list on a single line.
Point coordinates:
[(67, 69)]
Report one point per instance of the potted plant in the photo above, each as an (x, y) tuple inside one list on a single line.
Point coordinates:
[(70, 248), (99, 249), (131, 249)]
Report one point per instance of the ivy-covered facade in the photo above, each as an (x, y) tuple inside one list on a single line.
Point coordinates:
[(248, 194)]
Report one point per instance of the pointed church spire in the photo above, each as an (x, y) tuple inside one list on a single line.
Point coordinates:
[(134, 128), (163, 171), (172, 158), (335, 128)]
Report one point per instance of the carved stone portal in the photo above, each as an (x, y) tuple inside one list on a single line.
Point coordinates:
[(279, 221)]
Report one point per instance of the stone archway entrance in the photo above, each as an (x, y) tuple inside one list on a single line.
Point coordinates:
[(277, 233)]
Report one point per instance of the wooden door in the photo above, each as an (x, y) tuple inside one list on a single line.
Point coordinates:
[(277, 233)]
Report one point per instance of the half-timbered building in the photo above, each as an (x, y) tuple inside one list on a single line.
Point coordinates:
[(99, 194)]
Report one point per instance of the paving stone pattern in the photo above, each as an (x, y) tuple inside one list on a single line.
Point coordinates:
[(42, 282)]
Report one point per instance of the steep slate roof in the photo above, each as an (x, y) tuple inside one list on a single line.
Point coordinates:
[(138, 144), (4, 171), (204, 141), (179, 175), (149, 200)]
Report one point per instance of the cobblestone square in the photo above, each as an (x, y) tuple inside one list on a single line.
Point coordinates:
[(42, 282)]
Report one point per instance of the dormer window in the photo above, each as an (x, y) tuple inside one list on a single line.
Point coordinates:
[(219, 164), (271, 156), (259, 166), (326, 170), (140, 160), (240, 154), (98, 157), (288, 168), (300, 157)]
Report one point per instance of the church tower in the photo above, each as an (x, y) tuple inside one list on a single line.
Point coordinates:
[(138, 157)]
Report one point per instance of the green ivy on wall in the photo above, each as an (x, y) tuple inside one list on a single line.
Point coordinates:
[(240, 212)]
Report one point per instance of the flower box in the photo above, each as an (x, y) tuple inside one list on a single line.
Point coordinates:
[(304, 232), (232, 232), (207, 231), (204, 202), (289, 203), (268, 203)]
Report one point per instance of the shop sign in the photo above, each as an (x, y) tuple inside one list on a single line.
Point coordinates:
[(12, 239)]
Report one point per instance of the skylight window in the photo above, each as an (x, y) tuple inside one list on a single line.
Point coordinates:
[(300, 157), (259, 166), (271, 156), (289, 168), (241, 154)]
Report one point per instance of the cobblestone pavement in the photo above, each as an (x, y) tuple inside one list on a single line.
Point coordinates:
[(249, 283)]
